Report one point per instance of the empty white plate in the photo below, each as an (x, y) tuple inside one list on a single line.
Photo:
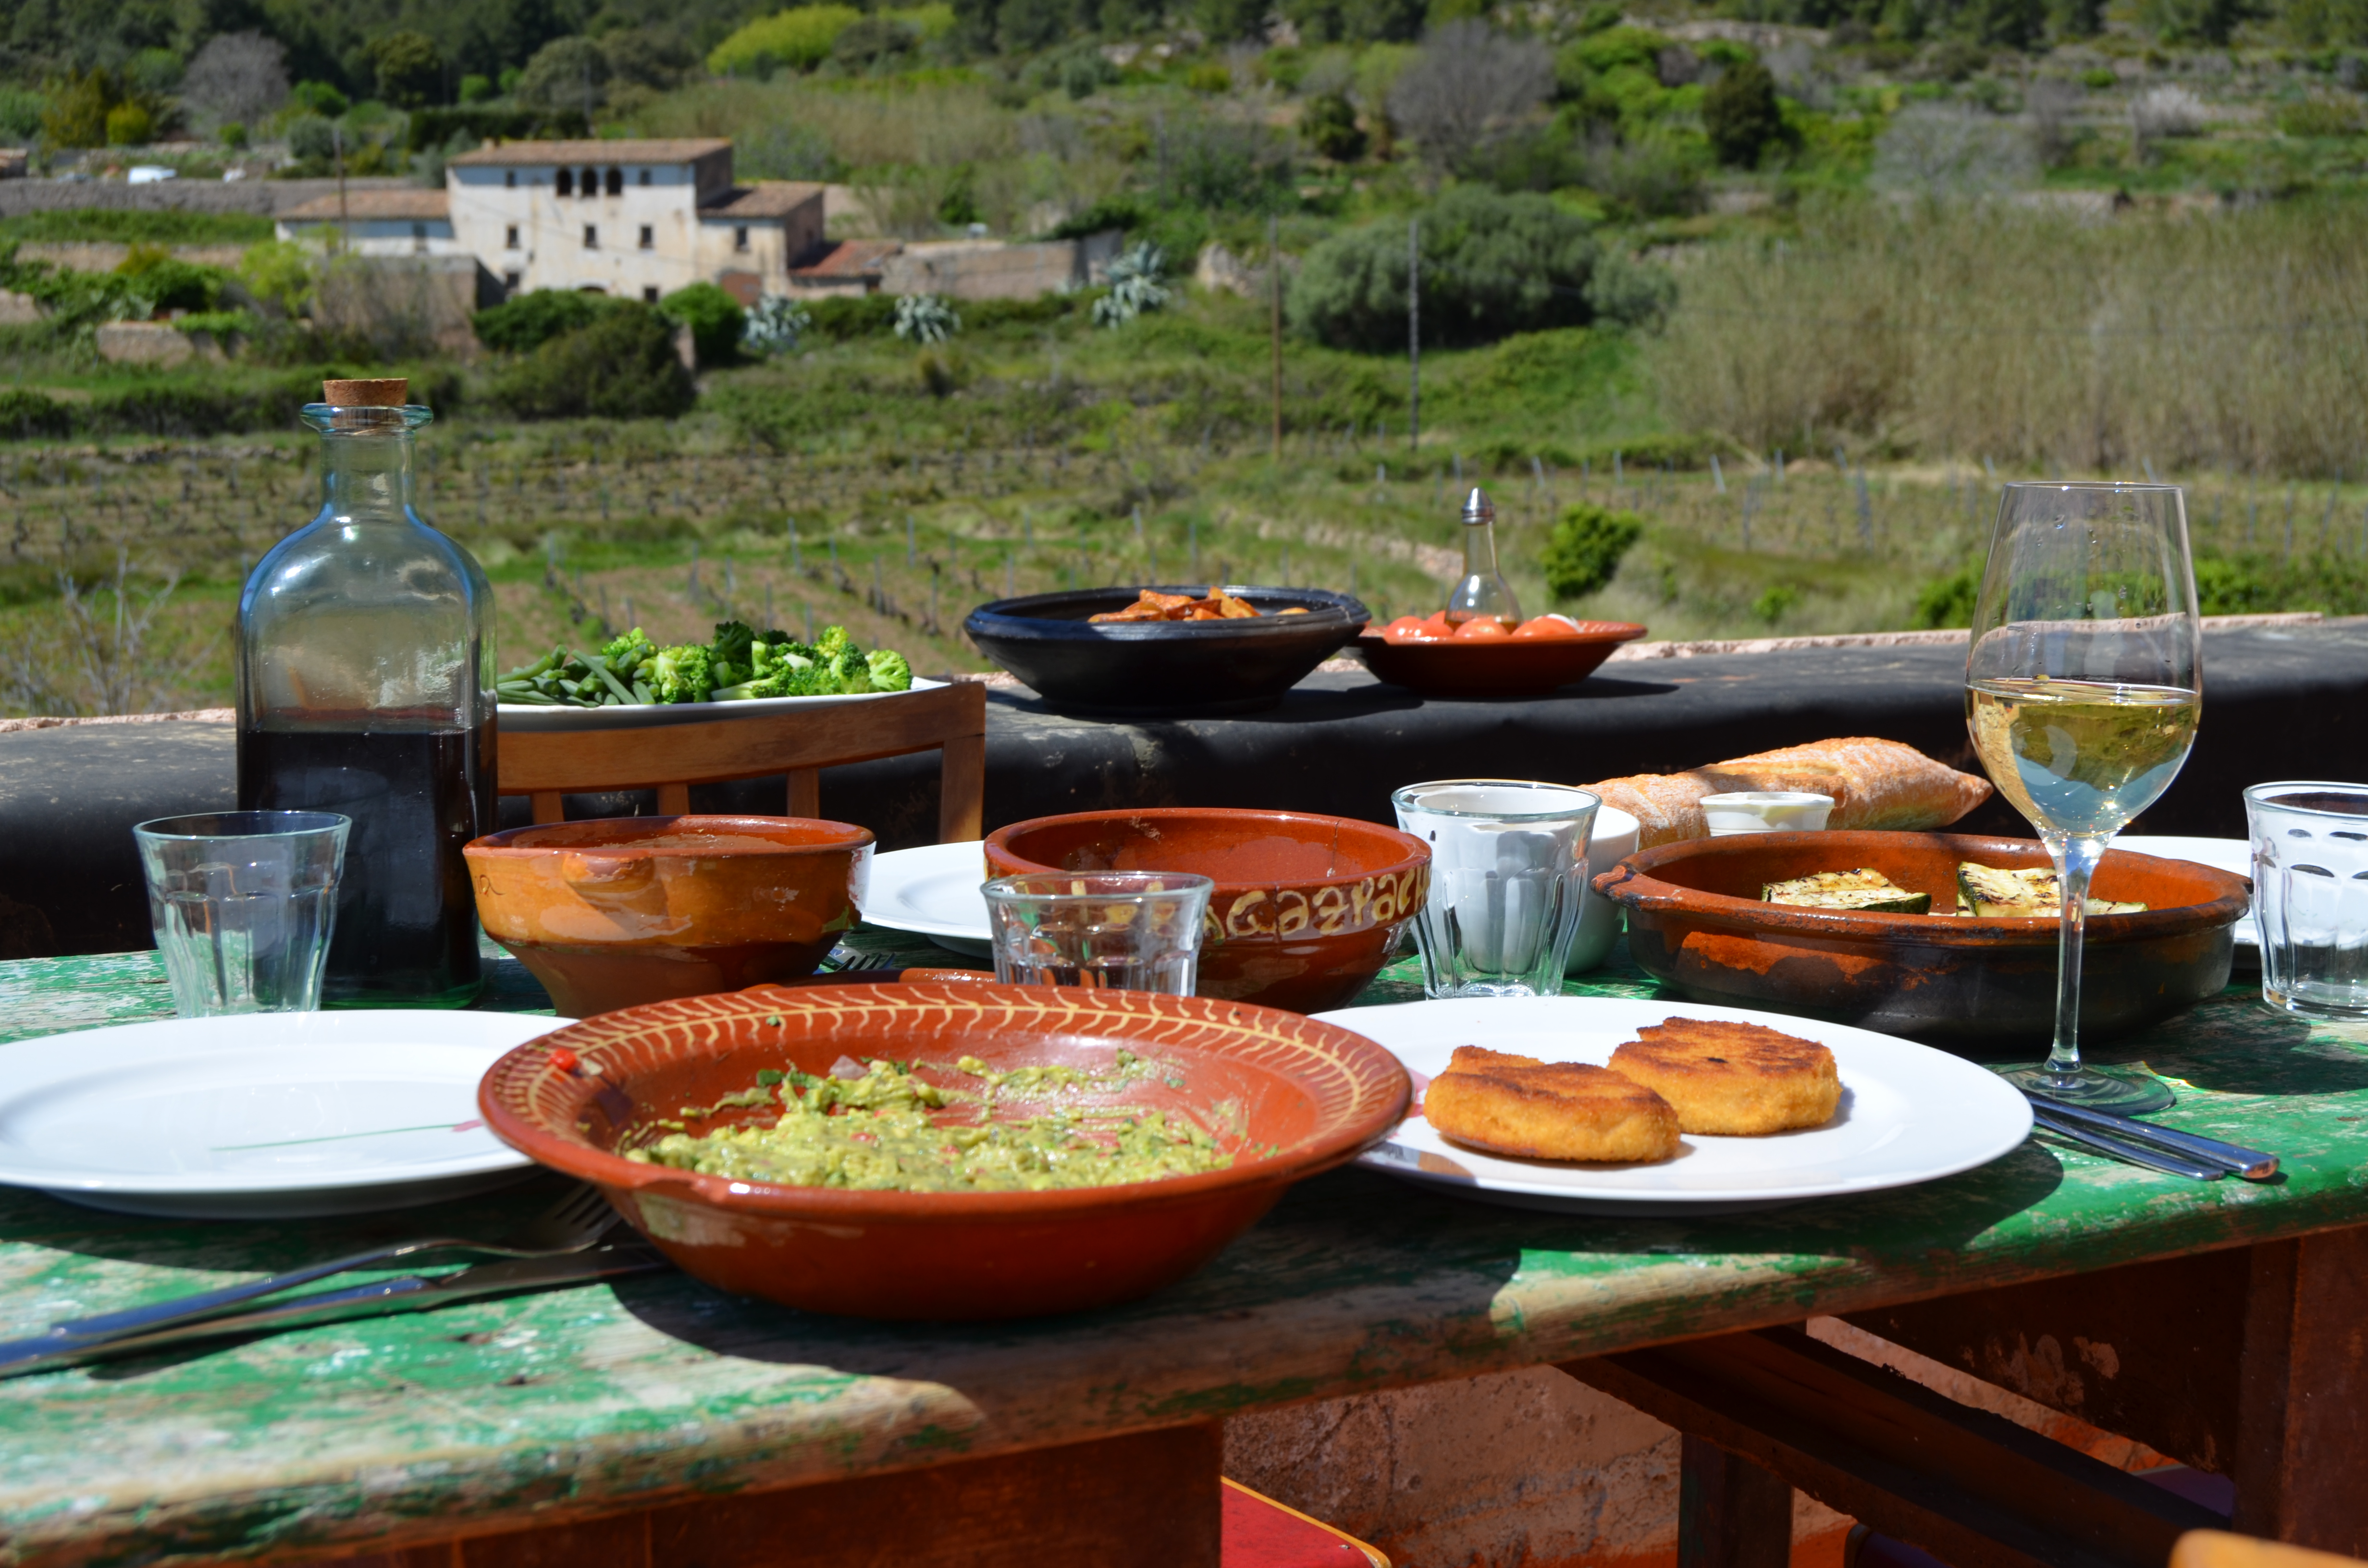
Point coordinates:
[(1909, 1113), (933, 891), (262, 1116)]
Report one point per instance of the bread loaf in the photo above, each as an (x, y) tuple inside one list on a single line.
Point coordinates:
[(1875, 783)]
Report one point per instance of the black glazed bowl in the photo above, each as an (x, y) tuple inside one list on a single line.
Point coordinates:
[(1138, 669)]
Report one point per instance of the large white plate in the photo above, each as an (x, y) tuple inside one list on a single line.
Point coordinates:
[(521, 718), (1909, 1113), (2233, 855), (933, 891), (264, 1116)]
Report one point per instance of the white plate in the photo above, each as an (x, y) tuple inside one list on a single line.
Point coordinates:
[(264, 1116), (1909, 1113), (933, 891), (521, 718), (2233, 855)]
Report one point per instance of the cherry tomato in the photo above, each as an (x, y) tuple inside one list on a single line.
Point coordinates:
[(1482, 631), (564, 1061), (1549, 626), (1402, 626)]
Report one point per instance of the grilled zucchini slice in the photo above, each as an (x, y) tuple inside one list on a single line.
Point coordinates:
[(1988, 892), (1864, 891)]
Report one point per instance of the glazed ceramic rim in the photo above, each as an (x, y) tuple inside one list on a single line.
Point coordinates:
[(1403, 797), (853, 836), (2254, 796), (1629, 885), (1591, 634), (1377, 1087), (1418, 854), (1328, 610)]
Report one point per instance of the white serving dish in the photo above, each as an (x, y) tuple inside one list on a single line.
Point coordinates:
[(1908, 1114), (261, 1115), (1765, 810), (1612, 840), (933, 891), (531, 718)]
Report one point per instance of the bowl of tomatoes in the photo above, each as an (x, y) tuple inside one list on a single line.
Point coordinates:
[(1485, 657)]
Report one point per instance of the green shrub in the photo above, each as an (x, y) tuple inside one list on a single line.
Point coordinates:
[(1328, 125), (621, 365), (1741, 114), (1949, 601), (1586, 546), (714, 317), (129, 125), (167, 284), (25, 414), (800, 39), (2320, 117), (1492, 264), (525, 324), (206, 407), (850, 316)]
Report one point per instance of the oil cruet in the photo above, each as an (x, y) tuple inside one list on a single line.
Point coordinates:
[(1483, 594)]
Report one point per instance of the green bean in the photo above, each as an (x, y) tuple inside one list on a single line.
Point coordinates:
[(622, 691)]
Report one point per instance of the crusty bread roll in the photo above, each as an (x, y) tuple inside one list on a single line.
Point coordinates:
[(1875, 783)]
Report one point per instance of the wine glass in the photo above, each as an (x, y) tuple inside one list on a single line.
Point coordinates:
[(2082, 690)]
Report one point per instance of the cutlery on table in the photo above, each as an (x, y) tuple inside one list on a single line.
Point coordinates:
[(2181, 1153), (571, 1225), (411, 1293), (2130, 1152)]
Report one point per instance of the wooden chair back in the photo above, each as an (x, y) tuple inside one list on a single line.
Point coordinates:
[(950, 720)]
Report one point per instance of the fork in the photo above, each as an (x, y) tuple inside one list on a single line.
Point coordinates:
[(571, 1225)]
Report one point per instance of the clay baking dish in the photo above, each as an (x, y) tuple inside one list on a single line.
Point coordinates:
[(1286, 1095), (1306, 907), (1696, 922), (1511, 667), (619, 911)]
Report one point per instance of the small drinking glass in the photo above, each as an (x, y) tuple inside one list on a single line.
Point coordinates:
[(2310, 897), (1102, 930), (1507, 880), (243, 903)]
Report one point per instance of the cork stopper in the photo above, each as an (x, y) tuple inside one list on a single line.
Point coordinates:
[(389, 392)]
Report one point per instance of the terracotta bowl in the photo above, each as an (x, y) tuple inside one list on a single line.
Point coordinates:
[(1695, 921), (1306, 907), (1286, 1095), (1522, 666), (613, 913)]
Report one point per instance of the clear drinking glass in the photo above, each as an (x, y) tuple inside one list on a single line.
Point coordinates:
[(1115, 930), (2082, 691), (2310, 896), (1507, 881), (244, 903)]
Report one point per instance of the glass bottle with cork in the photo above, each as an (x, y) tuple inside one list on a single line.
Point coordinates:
[(1483, 594), (366, 686)]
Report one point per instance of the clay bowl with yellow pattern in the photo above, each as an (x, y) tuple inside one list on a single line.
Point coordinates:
[(1285, 1096), (1306, 910)]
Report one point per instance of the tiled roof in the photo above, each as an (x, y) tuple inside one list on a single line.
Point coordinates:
[(414, 203), (679, 150), (769, 198), (849, 259)]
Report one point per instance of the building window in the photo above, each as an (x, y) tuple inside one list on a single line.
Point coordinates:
[(650, 294), (509, 178), (419, 236), (649, 237), (511, 281), (615, 183), (645, 176), (740, 237), (510, 237), (565, 181), (591, 182), (591, 236)]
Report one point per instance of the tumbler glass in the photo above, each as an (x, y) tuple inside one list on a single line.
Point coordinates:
[(1115, 930), (243, 903), (2310, 897), (1507, 880)]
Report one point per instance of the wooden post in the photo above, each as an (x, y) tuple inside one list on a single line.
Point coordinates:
[(1414, 333), (1731, 1513), (1274, 292)]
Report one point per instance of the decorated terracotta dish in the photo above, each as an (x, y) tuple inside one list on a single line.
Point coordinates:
[(1698, 920), (623, 910), (1277, 1096), (1487, 659), (1306, 909)]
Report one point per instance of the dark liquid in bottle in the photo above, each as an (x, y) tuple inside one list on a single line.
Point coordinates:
[(406, 928)]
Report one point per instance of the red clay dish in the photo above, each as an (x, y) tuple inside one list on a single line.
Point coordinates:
[(1306, 907), (1286, 1095), (1695, 921), (612, 912), (1512, 666)]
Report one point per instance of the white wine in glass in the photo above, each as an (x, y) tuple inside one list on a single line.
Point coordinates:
[(2083, 686)]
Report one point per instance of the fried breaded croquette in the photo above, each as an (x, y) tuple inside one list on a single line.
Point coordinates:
[(1548, 1110), (1736, 1079)]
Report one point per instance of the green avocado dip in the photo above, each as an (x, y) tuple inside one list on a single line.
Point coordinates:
[(873, 1126)]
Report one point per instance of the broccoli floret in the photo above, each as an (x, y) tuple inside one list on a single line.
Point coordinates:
[(747, 691), (682, 675), (630, 652), (767, 656), (833, 642), (889, 670), (731, 650), (842, 674)]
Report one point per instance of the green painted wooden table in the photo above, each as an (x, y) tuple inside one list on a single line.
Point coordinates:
[(652, 1420)]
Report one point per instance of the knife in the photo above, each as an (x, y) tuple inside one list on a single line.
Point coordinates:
[(2253, 1165), (2155, 1159), (409, 1293)]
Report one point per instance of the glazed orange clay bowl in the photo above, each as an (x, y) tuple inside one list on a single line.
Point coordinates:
[(1285, 1096), (1696, 922), (1510, 666), (612, 912), (1306, 909)]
